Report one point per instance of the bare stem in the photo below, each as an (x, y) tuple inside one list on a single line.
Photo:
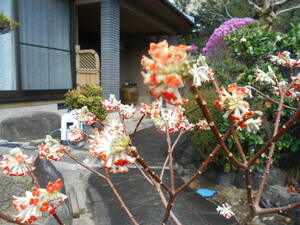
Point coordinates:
[(281, 132), (164, 201), (271, 152), (137, 126), (167, 158), (270, 99), (150, 171), (238, 144), (37, 184), (218, 136), (168, 209), (117, 195), (171, 164)]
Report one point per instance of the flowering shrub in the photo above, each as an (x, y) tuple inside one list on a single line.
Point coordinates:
[(224, 29), (169, 68), (89, 96)]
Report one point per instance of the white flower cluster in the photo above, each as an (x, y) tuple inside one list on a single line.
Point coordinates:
[(265, 78), (112, 104), (200, 71), (112, 147), (16, 163), (225, 210)]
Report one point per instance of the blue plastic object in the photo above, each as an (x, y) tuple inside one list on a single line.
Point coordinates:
[(206, 193)]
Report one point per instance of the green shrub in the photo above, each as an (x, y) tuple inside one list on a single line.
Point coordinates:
[(204, 141), (6, 24), (88, 95)]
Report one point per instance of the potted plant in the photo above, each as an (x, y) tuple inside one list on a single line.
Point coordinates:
[(6, 24)]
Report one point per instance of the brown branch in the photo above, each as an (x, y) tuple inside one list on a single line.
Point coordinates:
[(37, 184), (12, 220), (137, 126), (171, 164), (164, 201), (168, 209), (117, 195), (107, 179), (208, 160), (271, 152), (238, 144), (281, 132), (203, 106), (287, 10), (149, 170), (270, 99), (201, 169), (278, 209), (83, 165)]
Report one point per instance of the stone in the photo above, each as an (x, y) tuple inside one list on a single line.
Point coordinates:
[(226, 179), (276, 177), (46, 172), (275, 196), (184, 152), (30, 126), (2, 141)]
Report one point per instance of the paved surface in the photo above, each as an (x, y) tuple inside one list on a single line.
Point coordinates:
[(142, 199), (94, 204)]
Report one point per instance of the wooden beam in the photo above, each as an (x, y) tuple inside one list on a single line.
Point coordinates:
[(141, 12)]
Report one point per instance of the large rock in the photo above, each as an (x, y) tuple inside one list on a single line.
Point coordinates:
[(276, 177), (30, 126), (185, 153), (275, 196), (46, 172)]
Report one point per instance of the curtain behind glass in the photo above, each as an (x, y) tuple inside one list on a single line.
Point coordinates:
[(45, 44), (7, 51)]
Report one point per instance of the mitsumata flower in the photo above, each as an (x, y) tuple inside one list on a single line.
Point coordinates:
[(283, 59), (164, 71), (265, 78), (85, 116), (51, 149), (253, 124), (75, 134), (201, 72), (38, 202), (127, 111), (224, 29), (171, 120), (16, 163), (113, 148), (292, 91), (232, 101), (150, 109), (111, 104), (202, 125), (225, 210)]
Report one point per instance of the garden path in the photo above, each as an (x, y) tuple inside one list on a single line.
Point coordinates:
[(142, 198)]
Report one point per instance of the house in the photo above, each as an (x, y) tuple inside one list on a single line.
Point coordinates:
[(37, 60)]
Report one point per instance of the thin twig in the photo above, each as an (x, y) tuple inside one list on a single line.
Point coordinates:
[(271, 152), (171, 164), (137, 126), (281, 132), (238, 144), (168, 209), (218, 136), (37, 184), (117, 195), (270, 99)]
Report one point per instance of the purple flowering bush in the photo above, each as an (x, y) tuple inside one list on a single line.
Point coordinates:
[(224, 29)]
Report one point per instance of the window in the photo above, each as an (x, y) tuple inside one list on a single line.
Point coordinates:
[(45, 55), (7, 51)]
